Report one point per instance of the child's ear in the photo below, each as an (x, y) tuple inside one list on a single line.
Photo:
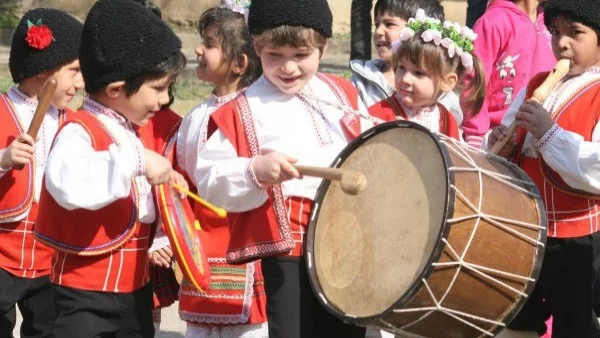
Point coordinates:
[(448, 82), (240, 65), (114, 89)]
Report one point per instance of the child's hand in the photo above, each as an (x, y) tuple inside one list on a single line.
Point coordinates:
[(162, 257), (499, 133), (177, 178), (274, 168), (533, 117), (158, 168), (20, 151)]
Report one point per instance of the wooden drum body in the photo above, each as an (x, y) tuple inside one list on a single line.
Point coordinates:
[(445, 240)]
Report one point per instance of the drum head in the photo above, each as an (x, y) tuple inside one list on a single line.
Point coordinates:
[(365, 252), (183, 231)]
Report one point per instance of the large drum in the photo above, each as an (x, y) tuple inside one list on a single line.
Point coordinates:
[(445, 240)]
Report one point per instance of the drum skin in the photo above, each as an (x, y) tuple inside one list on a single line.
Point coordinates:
[(444, 241)]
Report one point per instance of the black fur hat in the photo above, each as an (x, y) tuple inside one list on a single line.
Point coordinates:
[(44, 39), (267, 14), (585, 11), (122, 39)]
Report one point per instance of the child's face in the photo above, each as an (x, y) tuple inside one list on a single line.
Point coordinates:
[(69, 81), (387, 30), (576, 42), (142, 105), (414, 85), (289, 68), (209, 54)]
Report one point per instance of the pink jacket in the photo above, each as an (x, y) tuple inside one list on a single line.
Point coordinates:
[(512, 49)]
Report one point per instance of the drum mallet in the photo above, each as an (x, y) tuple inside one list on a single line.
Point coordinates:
[(539, 95), (352, 182), (38, 117)]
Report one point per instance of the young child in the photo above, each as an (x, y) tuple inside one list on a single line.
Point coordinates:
[(44, 45), (429, 60), (97, 198), (513, 44), (557, 146), (374, 79), (234, 305), (292, 114)]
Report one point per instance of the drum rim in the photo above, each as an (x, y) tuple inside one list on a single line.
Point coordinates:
[(436, 253), (182, 253)]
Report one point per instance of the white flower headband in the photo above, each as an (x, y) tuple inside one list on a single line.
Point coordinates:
[(457, 39), (238, 6)]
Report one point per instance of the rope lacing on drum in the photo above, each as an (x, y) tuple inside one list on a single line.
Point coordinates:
[(482, 271)]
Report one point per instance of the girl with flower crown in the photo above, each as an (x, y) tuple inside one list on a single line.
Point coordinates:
[(430, 59), (234, 304)]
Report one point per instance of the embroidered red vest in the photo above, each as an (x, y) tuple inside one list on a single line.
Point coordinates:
[(264, 231), (16, 186), (87, 232), (390, 110), (159, 130), (571, 212)]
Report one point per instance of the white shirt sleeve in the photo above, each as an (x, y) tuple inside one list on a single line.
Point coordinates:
[(575, 160), (225, 179), (77, 176), (3, 170)]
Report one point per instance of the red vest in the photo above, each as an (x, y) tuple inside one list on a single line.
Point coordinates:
[(101, 250), (390, 110), (264, 231), (571, 212), (16, 186), (159, 130)]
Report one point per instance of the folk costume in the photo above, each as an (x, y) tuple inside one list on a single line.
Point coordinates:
[(234, 305), (25, 262), (564, 166), (100, 206), (437, 118), (269, 223)]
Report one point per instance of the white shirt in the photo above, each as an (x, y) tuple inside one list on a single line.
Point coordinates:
[(575, 160), (25, 108), (77, 176), (310, 132)]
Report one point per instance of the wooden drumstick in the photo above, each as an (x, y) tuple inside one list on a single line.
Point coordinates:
[(539, 95), (45, 100), (352, 182)]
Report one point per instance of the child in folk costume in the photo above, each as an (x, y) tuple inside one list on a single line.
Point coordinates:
[(429, 60), (292, 114), (44, 45), (557, 146), (234, 305), (97, 199), (374, 79), (513, 44)]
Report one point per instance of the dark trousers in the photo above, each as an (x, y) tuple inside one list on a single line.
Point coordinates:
[(360, 29), (92, 314), (292, 308), (475, 9), (34, 296), (566, 289)]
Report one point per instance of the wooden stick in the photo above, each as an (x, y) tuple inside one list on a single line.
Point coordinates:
[(44, 102), (352, 182), (219, 211), (539, 95)]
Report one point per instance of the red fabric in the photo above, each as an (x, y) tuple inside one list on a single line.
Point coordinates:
[(571, 213), (105, 229), (16, 186), (159, 130), (164, 286), (20, 254), (258, 233), (39, 37), (390, 110)]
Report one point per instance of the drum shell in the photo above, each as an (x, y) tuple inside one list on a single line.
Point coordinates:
[(476, 285)]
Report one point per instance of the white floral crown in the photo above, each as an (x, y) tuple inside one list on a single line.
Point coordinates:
[(457, 39), (238, 6)]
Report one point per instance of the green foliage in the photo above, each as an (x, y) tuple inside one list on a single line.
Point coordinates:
[(8, 13)]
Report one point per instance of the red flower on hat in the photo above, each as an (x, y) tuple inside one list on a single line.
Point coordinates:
[(39, 36)]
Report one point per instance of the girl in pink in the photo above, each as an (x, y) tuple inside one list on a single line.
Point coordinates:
[(513, 44)]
